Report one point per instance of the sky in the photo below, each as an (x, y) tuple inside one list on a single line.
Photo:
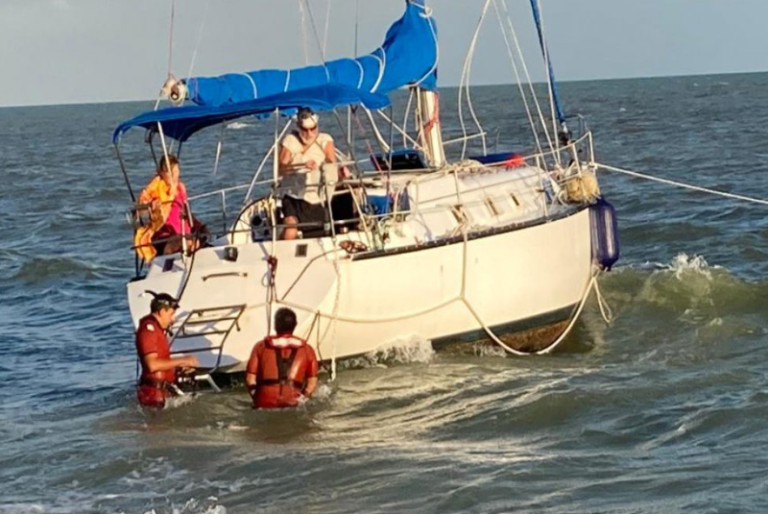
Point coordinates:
[(90, 51)]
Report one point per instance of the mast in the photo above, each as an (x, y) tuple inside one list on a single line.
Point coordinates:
[(428, 105), (428, 114)]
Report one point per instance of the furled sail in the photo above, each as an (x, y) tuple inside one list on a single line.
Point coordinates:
[(408, 56)]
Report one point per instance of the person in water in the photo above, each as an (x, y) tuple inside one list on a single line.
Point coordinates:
[(169, 219), (282, 369), (302, 156), (158, 368)]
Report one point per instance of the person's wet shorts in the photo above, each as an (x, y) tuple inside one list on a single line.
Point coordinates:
[(311, 216)]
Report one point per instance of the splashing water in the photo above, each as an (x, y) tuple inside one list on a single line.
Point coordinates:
[(403, 351)]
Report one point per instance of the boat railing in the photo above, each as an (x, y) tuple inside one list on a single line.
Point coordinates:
[(551, 160), (545, 161), (578, 154), (372, 226)]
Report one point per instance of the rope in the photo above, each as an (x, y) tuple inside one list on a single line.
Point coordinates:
[(605, 309), (590, 285), (683, 185), (464, 80), (404, 131), (334, 313)]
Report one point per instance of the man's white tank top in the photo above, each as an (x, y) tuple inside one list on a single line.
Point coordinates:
[(303, 183)]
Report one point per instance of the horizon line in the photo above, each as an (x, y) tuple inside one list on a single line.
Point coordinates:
[(451, 86)]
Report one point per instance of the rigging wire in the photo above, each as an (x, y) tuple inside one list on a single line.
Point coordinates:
[(357, 25), (170, 37), (542, 119), (199, 39), (317, 39), (516, 71), (168, 75), (304, 42), (464, 83), (327, 25)]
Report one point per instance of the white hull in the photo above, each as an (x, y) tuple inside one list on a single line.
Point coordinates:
[(517, 272)]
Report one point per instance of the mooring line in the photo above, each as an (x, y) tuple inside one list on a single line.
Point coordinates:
[(683, 185)]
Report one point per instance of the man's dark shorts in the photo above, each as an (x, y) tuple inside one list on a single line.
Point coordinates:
[(311, 216)]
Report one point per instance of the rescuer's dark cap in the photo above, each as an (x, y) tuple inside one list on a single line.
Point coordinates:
[(162, 301)]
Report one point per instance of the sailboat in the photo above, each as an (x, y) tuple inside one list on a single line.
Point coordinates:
[(503, 247)]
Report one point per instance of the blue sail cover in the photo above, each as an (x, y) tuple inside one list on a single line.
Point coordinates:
[(182, 122), (408, 56)]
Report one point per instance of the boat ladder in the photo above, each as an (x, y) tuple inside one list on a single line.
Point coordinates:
[(207, 330)]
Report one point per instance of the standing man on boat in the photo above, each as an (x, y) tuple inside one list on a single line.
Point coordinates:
[(302, 156), (282, 369), (158, 368)]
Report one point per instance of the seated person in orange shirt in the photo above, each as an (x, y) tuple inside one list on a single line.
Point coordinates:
[(169, 218)]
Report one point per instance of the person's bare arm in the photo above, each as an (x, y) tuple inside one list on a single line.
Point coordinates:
[(155, 363), (330, 152), (286, 159)]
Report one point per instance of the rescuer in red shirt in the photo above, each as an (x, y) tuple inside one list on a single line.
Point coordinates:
[(282, 369), (158, 368)]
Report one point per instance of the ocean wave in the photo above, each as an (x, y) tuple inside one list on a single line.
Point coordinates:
[(405, 351), (237, 125), (74, 503), (43, 269), (685, 285)]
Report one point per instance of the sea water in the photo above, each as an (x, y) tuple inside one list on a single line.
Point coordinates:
[(662, 411)]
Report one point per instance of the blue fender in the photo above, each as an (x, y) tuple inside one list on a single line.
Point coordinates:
[(605, 234)]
